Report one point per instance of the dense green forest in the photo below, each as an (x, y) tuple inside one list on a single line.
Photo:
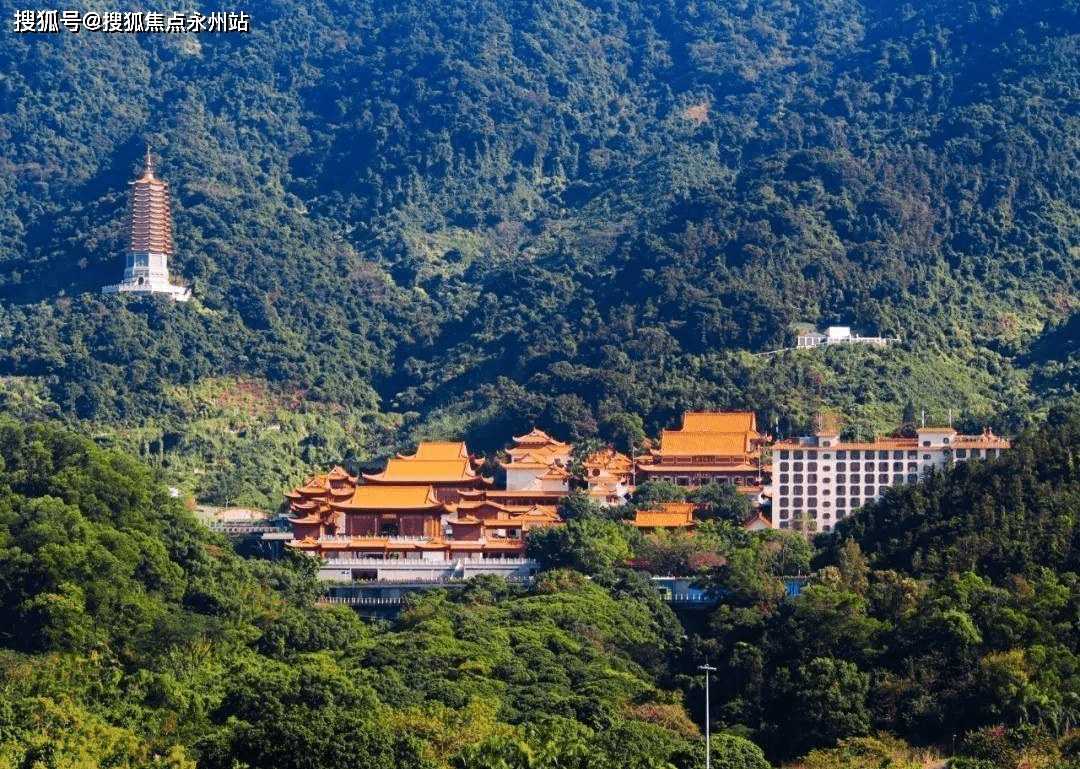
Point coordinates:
[(939, 624), (413, 220)]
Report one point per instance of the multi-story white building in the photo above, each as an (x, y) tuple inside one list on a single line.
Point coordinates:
[(819, 480)]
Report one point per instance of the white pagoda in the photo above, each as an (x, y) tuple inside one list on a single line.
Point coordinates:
[(149, 240)]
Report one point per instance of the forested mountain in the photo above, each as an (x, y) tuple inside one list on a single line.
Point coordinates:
[(410, 219), (131, 637)]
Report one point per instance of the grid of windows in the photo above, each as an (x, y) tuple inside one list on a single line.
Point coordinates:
[(855, 477)]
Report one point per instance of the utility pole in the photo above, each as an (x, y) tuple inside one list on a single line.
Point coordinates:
[(708, 669)]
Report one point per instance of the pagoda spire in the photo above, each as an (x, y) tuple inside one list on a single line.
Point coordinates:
[(149, 172)]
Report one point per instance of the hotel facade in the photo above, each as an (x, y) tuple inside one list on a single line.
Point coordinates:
[(819, 480)]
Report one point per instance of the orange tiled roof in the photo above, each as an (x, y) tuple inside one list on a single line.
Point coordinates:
[(757, 522), (538, 437), (609, 460), (539, 454), (390, 498), (720, 422), (439, 451), (525, 494), (525, 464), (425, 470), (669, 515), (677, 442)]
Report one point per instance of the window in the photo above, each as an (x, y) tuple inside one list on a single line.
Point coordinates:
[(898, 479), (811, 489), (944, 440), (883, 455), (913, 466), (926, 443), (826, 503), (841, 478), (783, 524), (826, 492), (841, 467), (840, 502), (798, 454), (912, 477), (784, 453), (883, 479), (855, 478), (897, 465), (811, 502), (912, 454), (798, 490), (854, 502), (811, 478), (784, 467), (882, 465), (785, 478), (797, 466), (841, 455), (826, 528), (811, 466), (926, 457), (961, 453), (841, 489), (785, 490), (976, 453), (868, 491), (826, 455), (854, 453), (797, 503), (783, 515), (682, 480)]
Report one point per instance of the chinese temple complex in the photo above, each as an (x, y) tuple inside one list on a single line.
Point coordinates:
[(149, 240), (428, 512), (433, 512), (711, 447)]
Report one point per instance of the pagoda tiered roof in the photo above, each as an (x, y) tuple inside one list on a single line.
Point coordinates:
[(148, 214)]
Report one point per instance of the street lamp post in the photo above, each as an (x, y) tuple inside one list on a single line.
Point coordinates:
[(708, 669)]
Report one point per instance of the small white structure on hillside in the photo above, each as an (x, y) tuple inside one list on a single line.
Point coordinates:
[(837, 335)]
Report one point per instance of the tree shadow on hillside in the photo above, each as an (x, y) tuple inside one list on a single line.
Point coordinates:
[(80, 248)]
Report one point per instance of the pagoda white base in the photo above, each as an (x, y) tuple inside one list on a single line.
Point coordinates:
[(149, 287)]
